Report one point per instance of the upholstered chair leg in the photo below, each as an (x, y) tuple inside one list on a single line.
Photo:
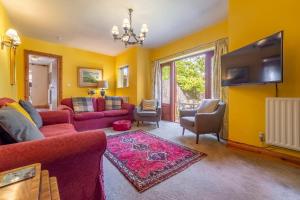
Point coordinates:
[(138, 123), (157, 123), (183, 129), (197, 139)]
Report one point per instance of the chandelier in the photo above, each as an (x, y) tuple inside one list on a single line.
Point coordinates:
[(129, 37)]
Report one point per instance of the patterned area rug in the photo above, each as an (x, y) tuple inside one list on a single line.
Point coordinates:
[(146, 160)]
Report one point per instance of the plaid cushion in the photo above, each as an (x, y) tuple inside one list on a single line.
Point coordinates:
[(113, 103), (82, 104), (149, 105)]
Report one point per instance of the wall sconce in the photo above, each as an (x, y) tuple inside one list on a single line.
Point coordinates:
[(11, 40)]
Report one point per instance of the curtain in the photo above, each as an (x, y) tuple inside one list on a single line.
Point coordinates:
[(219, 92), (157, 81)]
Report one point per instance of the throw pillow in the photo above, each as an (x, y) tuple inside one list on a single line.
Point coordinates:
[(34, 114), (18, 127), (208, 105), (113, 103), (82, 104), (21, 110), (149, 105)]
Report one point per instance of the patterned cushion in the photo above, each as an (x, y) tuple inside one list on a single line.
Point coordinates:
[(82, 104), (113, 103), (149, 105)]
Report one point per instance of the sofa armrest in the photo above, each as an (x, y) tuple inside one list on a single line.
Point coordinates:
[(55, 117), (186, 113), (64, 107), (129, 107), (52, 149)]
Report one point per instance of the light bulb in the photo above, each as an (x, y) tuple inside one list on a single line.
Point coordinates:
[(144, 28), (126, 23), (115, 30), (11, 33)]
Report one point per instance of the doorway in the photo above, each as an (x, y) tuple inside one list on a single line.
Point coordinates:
[(43, 79), (185, 82)]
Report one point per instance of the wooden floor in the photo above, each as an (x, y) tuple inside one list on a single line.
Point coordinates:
[(225, 174)]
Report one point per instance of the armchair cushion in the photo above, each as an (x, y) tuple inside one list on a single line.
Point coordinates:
[(187, 121), (208, 105), (147, 113)]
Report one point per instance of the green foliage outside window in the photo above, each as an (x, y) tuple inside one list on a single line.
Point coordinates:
[(190, 75)]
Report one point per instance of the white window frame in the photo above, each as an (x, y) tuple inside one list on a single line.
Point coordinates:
[(120, 76)]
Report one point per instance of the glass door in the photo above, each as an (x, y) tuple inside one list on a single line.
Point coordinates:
[(167, 82)]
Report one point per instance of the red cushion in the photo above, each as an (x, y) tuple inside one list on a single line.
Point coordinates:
[(100, 104), (57, 129), (122, 125), (88, 115), (114, 113)]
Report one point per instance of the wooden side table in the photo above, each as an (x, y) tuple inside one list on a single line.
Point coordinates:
[(39, 187)]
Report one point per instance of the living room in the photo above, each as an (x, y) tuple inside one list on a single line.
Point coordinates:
[(92, 154)]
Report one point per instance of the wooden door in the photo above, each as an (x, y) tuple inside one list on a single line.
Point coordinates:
[(168, 91)]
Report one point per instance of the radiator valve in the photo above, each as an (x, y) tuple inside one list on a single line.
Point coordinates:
[(262, 136)]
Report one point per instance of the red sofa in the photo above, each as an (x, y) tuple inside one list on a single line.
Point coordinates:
[(101, 118), (74, 158)]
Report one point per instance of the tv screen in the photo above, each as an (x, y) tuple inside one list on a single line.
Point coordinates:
[(259, 62)]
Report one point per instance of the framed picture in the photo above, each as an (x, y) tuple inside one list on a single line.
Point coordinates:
[(88, 77)]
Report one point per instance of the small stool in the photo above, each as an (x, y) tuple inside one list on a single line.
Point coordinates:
[(122, 125)]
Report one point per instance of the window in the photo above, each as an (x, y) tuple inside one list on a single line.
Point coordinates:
[(123, 77)]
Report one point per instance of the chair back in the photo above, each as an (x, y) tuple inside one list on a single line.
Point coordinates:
[(220, 112)]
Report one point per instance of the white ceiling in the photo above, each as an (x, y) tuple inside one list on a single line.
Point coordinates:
[(87, 24)]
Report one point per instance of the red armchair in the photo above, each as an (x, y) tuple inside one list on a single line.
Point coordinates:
[(74, 158)]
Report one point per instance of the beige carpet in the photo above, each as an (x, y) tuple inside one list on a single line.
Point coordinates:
[(225, 174)]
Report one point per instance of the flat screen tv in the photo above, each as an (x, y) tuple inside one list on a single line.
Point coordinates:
[(258, 63)]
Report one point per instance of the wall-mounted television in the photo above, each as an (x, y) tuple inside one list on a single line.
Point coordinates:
[(258, 63)]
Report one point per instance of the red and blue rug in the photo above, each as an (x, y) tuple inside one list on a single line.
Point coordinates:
[(146, 160)]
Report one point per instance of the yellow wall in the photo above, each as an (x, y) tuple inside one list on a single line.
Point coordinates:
[(206, 35), (72, 58), (249, 21), (128, 58), (6, 90), (138, 60), (144, 74)]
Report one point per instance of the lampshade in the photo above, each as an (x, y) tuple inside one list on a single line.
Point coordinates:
[(11, 33), (102, 84)]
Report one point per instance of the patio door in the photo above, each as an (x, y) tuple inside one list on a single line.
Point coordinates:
[(168, 91), (185, 82)]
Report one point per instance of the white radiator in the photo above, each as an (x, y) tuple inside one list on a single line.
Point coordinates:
[(283, 122)]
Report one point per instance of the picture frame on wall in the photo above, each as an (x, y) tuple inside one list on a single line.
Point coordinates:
[(88, 77)]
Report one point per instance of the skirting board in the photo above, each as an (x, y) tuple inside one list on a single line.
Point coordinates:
[(247, 147)]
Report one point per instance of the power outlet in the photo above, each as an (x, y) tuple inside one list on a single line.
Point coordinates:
[(261, 136)]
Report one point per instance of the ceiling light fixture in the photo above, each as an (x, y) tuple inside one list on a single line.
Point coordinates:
[(129, 37)]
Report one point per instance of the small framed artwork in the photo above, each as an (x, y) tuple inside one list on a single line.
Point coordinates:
[(88, 77)]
